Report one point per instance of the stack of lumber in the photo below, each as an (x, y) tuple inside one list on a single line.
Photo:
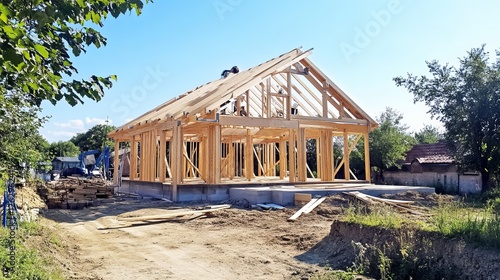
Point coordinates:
[(403, 205), (175, 216), (77, 193)]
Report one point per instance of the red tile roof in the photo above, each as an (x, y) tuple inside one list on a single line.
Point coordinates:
[(430, 153)]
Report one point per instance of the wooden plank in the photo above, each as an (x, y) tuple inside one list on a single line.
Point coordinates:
[(367, 154), (249, 157), (162, 161), (301, 210), (116, 162), (301, 155), (282, 151), (314, 205), (359, 196), (389, 200), (291, 156), (172, 215)]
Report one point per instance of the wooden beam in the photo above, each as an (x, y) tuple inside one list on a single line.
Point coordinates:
[(312, 94), (347, 176), (257, 122), (249, 157), (231, 158), (176, 160), (367, 154), (217, 153), (291, 156), (301, 155), (287, 110), (282, 149), (161, 156)]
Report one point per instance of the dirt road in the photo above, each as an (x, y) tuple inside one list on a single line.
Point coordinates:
[(235, 243)]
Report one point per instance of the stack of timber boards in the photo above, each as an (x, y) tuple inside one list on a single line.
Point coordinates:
[(77, 193)]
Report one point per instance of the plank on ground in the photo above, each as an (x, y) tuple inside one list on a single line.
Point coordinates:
[(301, 210), (314, 205), (169, 215)]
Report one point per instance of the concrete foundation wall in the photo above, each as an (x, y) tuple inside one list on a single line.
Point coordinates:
[(184, 193), (450, 182)]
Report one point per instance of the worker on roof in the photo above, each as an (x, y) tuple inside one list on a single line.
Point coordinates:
[(233, 70)]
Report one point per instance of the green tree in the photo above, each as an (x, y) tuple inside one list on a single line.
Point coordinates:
[(390, 141), (63, 149), (20, 143), (95, 138), (428, 135), (37, 38), (466, 99)]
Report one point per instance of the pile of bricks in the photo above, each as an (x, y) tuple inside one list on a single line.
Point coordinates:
[(77, 193)]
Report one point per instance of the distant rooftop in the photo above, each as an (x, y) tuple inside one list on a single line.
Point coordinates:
[(430, 153), (67, 159)]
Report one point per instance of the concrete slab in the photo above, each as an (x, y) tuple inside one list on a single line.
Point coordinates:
[(282, 194), (285, 195)]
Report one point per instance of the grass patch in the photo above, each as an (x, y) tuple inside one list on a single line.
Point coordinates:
[(375, 216), (334, 275), (28, 263), (479, 225)]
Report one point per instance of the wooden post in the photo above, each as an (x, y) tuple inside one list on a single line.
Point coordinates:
[(347, 174), (367, 155), (161, 156), (318, 158), (116, 161), (269, 98), (282, 157), (133, 158), (230, 157), (249, 156), (177, 159), (142, 157), (287, 111), (203, 158), (325, 99), (301, 155), (217, 153), (264, 101), (291, 156)]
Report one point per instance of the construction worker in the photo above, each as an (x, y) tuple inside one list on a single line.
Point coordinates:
[(233, 70)]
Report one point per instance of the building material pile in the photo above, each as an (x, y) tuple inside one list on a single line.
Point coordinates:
[(77, 193)]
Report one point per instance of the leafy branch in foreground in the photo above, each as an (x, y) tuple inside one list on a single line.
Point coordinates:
[(36, 38)]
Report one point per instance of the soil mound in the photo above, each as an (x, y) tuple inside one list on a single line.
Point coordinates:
[(404, 253)]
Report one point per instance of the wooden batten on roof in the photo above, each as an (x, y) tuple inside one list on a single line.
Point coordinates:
[(287, 99)]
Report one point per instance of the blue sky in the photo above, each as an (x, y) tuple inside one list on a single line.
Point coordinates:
[(175, 46)]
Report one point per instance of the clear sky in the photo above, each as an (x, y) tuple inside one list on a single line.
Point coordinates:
[(175, 46)]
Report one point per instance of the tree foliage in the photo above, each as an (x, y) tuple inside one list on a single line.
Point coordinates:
[(466, 99), (20, 143), (390, 141), (37, 40), (94, 139), (428, 135), (63, 149)]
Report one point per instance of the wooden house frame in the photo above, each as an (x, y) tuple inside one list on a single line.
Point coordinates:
[(249, 125)]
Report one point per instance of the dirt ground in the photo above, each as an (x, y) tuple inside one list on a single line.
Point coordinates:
[(234, 243)]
